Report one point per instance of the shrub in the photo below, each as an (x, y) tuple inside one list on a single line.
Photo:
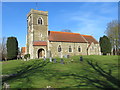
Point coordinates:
[(26, 56)]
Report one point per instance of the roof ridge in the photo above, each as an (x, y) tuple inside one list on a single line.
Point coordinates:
[(84, 38), (87, 35), (65, 32)]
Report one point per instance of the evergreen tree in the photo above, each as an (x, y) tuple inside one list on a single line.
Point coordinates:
[(105, 45), (12, 48)]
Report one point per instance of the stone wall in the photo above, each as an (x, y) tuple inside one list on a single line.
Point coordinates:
[(53, 46), (94, 49), (40, 33)]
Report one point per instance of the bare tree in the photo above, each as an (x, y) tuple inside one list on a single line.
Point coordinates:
[(66, 30), (112, 32), (3, 49)]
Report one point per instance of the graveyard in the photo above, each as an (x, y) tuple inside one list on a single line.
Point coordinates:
[(73, 72)]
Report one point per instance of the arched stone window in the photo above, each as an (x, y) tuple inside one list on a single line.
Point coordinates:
[(70, 49), (40, 21), (79, 49), (59, 48)]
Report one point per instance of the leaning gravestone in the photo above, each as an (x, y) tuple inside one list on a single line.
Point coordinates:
[(50, 59), (81, 58), (54, 60), (61, 61)]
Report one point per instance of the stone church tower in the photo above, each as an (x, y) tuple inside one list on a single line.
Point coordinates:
[(37, 32)]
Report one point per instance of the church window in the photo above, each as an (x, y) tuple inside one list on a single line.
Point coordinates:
[(40, 21), (59, 48), (79, 49), (70, 49)]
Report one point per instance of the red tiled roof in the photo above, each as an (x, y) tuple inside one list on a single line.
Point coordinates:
[(90, 39), (23, 49), (66, 37), (39, 43)]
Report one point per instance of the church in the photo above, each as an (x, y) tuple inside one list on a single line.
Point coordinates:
[(43, 43)]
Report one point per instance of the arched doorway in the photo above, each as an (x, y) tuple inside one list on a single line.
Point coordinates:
[(41, 53)]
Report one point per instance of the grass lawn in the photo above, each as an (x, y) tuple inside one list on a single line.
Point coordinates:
[(40, 74)]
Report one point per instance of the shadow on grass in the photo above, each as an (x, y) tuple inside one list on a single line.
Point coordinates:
[(103, 79), (98, 78), (25, 69)]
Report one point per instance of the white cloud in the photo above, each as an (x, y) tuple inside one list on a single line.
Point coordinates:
[(93, 19)]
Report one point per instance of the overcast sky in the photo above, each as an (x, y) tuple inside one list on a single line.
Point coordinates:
[(88, 18)]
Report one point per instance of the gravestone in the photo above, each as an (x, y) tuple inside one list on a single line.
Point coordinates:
[(65, 56), (6, 86), (62, 61), (50, 59), (68, 56), (54, 60), (25, 59), (72, 60), (44, 58), (81, 58), (5, 59)]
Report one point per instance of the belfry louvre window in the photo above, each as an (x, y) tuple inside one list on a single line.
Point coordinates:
[(59, 48), (79, 49), (40, 21), (70, 49)]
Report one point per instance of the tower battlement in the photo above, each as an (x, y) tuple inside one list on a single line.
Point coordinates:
[(37, 12)]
